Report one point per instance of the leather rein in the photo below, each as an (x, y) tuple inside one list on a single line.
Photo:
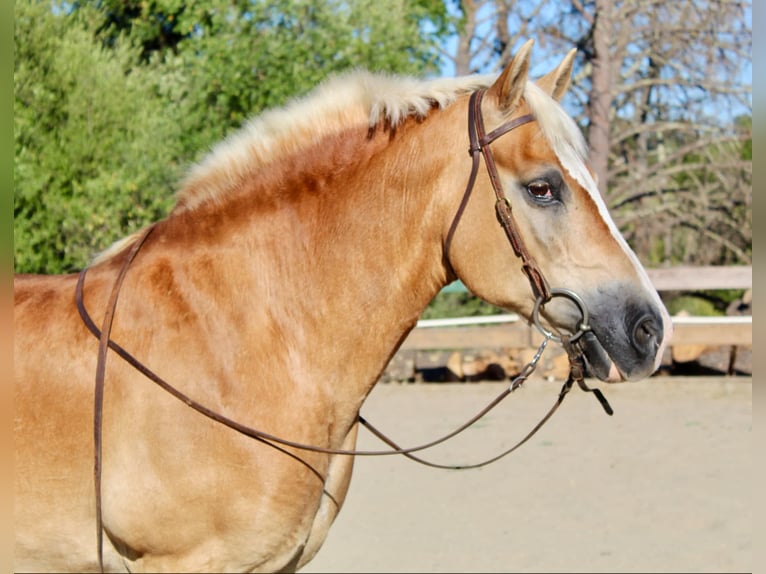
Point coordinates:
[(479, 146)]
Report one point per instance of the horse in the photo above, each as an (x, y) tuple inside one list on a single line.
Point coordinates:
[(299, 254)]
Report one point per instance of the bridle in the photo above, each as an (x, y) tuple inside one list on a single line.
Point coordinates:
[(479, 145), (479, 142)]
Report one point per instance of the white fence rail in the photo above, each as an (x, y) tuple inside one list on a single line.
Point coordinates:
[(510, 331)]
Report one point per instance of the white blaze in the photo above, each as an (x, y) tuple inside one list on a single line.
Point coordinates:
[(569, 146)]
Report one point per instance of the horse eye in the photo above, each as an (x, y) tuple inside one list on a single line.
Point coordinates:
[(540, 190)]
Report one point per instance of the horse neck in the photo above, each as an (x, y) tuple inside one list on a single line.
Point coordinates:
[(332, 262)]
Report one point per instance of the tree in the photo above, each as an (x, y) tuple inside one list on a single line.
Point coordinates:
[(677, 177), (239, 58), (95, 146), (488, 31), (664, 92), (114, 99)]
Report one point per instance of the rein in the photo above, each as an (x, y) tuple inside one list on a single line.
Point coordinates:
[(479, 142)]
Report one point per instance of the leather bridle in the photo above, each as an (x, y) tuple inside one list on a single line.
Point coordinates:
[(479, 142), (479, 145)]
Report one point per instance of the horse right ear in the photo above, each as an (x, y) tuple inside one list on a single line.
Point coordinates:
[(509, 86), (556, 82)]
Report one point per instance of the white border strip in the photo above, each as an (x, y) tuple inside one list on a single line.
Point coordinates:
[(513, 318), (727, 320), (478, 320)]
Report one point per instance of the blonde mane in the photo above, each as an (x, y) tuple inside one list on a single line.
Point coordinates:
[(349, 100)]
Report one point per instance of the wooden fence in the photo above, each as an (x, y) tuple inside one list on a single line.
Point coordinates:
[(510, 331)]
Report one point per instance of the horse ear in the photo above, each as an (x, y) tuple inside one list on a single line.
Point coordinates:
[(509, 86), (556, 82)]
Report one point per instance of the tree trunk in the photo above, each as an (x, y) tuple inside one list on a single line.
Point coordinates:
[(463, 54), (601, 93)]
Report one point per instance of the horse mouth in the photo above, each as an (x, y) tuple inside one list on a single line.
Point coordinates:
[(624, 337), (597, 360)]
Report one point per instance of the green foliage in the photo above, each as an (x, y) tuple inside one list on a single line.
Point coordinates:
[(236, 59), (694, 305), (113, 98), (459, 305), (746, 123), (245, 58), (708, 302), (96, 152), (153, 25)]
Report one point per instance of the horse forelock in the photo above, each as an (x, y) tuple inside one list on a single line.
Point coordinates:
[(561, 131), (346, 101), (567, 142)]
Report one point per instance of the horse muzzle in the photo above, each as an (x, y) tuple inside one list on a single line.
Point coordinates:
[(621, 334), (624, 344)]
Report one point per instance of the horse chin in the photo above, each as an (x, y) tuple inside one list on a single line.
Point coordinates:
[(597, 359)]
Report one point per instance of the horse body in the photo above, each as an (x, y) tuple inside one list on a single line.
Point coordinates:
[(276, 292), (264, 360)]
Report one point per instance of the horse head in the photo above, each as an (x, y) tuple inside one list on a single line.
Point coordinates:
[(562, 223)]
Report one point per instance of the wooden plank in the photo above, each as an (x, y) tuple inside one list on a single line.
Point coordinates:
[(512, 335), (712, 331), (680, 278), (692, 278)]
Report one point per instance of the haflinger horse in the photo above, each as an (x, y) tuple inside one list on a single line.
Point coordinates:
[(299, 255)]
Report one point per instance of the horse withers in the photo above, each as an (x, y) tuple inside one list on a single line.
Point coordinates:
[(298, 256)]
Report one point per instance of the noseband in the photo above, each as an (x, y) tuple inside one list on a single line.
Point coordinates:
[(479, 145)]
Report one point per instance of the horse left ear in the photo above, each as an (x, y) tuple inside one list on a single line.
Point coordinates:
[(509, 86), (556, 82)]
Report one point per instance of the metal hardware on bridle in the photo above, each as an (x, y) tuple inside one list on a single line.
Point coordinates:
[(577, 374), (583, 326), (479, 145), (479, 142), (576, 361)]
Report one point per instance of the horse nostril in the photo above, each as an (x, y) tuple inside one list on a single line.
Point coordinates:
[(647, 334)]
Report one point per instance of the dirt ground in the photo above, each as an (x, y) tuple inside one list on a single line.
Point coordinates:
[(666, 484)]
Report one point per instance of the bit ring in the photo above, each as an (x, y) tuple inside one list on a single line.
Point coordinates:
[(584, 325)]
